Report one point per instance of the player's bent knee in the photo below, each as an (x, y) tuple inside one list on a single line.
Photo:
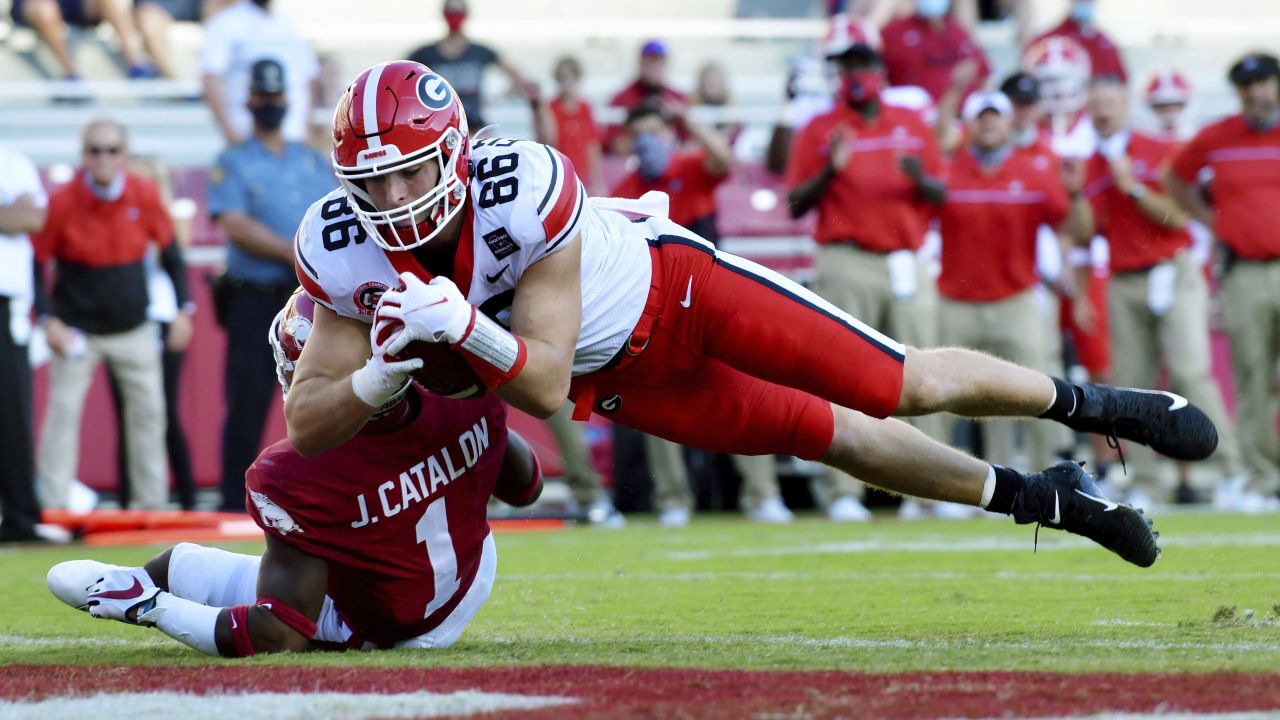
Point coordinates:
[(158, 567), (924, 387)]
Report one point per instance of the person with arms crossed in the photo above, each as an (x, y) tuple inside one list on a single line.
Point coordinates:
[(345, 565), (548, 294)]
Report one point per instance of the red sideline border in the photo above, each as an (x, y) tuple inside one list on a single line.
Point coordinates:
[(614, 692)]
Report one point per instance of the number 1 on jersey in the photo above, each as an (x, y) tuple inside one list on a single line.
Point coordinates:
[(433, 529)]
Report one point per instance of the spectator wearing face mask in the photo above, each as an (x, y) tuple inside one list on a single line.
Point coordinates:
[(689, 178), (929, 48), (259, 191), (462, 61), (1080, 25), (872, 171), (649, 88)]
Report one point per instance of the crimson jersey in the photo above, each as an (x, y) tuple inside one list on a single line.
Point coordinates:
[(398, 515)]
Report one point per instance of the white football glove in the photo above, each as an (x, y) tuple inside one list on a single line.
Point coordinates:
[(434, 312), (382, 378)]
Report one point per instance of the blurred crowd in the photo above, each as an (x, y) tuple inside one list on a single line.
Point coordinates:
[(1024, 214)]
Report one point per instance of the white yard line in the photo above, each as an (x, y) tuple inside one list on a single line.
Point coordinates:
[(274, 706), (1056, 644), (989, 543), (857, 576)]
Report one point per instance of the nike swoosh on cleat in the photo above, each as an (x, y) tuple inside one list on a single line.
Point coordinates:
[(1176, 402), (1108, 505), (128, 594), (1057, 516)]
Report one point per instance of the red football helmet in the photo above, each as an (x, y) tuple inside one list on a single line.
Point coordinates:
[(289, 332), (1062, 67), (395, 115)]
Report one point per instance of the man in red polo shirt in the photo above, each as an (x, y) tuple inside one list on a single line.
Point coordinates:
[(1080, 25), (1243, 151), (924, 49), (1158, 300), (997, 199), (871, 171), (98, 230)]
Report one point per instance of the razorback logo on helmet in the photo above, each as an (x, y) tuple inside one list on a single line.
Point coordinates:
[(367, 295), (434, 92)]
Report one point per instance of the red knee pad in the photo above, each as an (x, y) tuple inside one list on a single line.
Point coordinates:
[(240, 631), (300, 623)]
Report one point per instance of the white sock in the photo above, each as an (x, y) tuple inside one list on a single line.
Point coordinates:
[(1053, 399), (989, 487), (189, 623), (210, 576)]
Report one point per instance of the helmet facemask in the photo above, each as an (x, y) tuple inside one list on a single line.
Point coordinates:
[(417, 222)]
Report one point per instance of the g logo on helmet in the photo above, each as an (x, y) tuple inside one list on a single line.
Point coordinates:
[(434, 92)]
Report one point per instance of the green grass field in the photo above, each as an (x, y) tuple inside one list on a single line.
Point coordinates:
[(722, 593)]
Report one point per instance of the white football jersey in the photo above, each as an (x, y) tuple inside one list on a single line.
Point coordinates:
[(526, 203)]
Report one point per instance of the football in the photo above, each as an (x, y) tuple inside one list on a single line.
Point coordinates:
[(444, 371)]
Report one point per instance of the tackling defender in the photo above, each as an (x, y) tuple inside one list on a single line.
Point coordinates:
[(345, 565), (550, 294)]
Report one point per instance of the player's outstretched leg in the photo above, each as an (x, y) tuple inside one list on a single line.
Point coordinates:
[(762, 323), (899, 458)]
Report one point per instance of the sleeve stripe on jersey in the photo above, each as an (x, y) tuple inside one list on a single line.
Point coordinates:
[(298, 249), (555, 178), (571, 227), (308, 276)]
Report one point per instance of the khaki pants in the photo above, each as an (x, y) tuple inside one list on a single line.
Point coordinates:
[(671, 476), (1013, 330), (579, 474), (134, 357), (1251, 313), (857, 282)]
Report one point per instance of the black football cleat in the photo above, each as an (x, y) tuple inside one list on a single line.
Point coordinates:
[(1065, 497), (1165, 422)]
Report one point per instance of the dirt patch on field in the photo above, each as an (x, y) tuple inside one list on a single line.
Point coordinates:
[(611, 692)]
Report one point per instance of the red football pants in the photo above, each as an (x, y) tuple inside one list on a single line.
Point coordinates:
[(732, 357)]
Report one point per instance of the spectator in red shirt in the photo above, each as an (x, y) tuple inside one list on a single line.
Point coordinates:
[(1158, 300), (926, 48), (689, 178), (567, 124), (997, 199), (650, 86), (1243, 151), (871, 171), (1104, 56), (99, 228)]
